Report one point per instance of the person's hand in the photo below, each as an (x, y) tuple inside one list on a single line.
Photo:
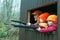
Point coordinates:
[(38, 29), (28, 24)]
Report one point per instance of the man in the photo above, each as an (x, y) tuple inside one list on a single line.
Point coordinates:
[(36, 14)]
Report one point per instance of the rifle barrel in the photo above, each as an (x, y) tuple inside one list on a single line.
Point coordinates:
[(18, 22)]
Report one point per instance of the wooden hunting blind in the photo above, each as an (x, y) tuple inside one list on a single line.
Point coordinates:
[(27, 8)]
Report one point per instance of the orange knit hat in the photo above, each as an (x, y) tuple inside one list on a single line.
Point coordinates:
[(36, 12), (52, 18), (43, 16), (45, 25)]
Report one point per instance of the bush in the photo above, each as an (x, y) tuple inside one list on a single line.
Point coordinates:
[(3, 30)]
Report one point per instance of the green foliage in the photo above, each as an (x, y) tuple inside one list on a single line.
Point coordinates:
[(2, 27), (3, 30), (3, 34)]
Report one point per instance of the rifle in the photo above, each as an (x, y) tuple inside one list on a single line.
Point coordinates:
[(23, 25), (26, 26), (18, 22)]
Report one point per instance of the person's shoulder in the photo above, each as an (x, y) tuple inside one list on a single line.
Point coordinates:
[(54, 25)]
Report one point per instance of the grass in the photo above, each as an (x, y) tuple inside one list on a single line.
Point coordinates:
[(12, 33)]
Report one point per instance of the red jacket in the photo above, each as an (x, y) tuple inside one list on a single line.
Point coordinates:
[(49, 29)]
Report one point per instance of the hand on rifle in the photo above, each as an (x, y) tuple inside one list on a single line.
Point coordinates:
[(38, 29), (28, 24)]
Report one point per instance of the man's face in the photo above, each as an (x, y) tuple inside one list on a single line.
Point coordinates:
[(35, 16)]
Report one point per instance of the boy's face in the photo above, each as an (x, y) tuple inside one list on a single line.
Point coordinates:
[(41, 20), (49, 23)]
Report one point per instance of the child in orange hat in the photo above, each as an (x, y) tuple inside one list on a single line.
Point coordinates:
[(42, 19), (52, 24), (36, 14)]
